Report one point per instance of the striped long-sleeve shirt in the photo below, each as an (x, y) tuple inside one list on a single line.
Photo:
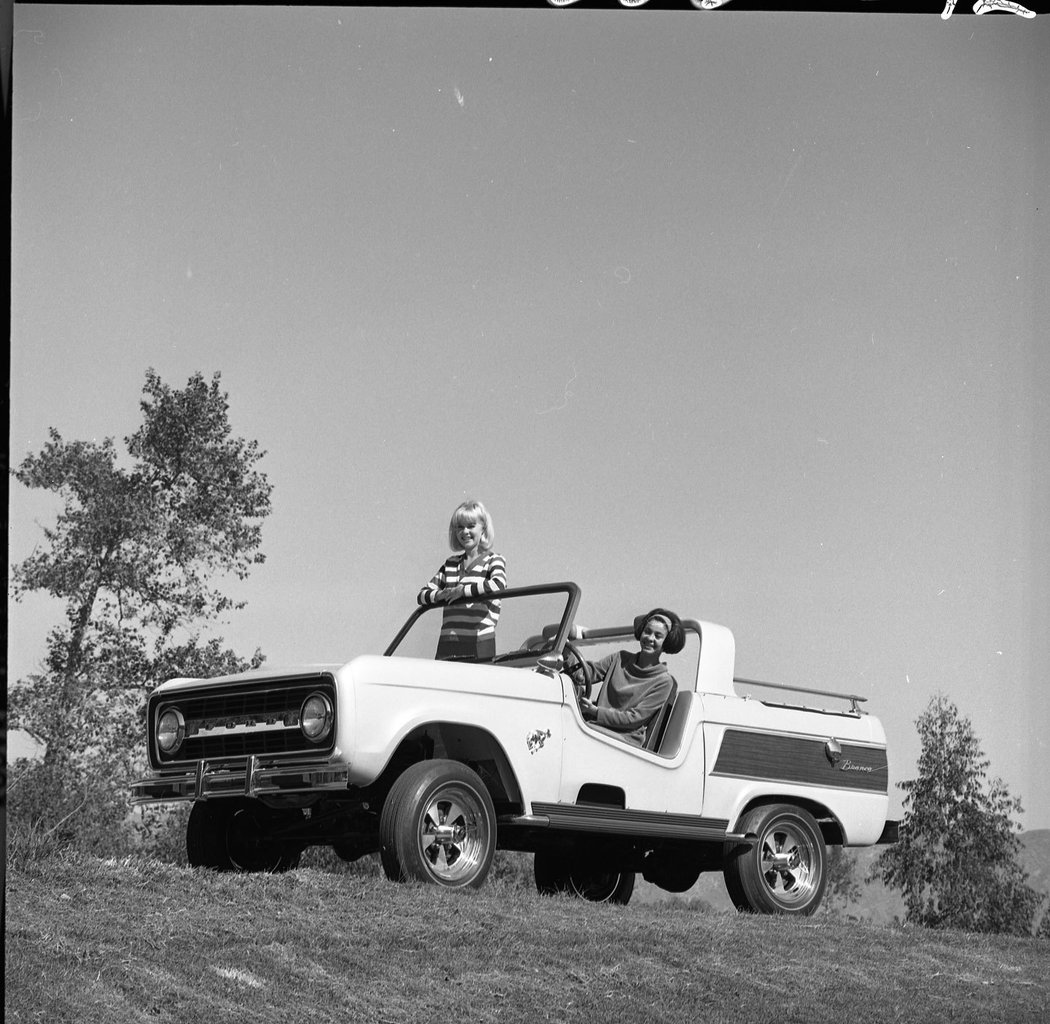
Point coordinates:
[(478, 618)]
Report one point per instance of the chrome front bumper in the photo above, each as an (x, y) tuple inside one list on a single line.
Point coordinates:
[(253, 776)]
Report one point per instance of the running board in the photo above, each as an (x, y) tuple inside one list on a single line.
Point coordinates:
[(621, 822)]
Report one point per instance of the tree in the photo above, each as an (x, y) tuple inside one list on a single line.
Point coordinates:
[(133, 555), (956, 861)]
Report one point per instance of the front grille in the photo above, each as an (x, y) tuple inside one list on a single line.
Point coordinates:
[(240, 719)]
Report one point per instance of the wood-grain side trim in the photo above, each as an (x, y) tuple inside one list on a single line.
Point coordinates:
[(801, 760)]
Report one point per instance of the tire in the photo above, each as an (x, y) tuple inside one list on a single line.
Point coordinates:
[(205, 846), (785, 871), (558, 872), (389, 857), (438, 825), (238, 835)]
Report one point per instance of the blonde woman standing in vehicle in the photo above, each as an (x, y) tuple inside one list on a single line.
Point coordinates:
[(464, 583)]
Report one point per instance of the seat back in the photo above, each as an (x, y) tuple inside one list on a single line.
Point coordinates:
[(658, 723), (674, 731)]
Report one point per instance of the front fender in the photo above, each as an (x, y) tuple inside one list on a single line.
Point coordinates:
[(397, 698)]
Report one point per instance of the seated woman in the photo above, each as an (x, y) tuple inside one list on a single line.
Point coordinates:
[(638, 685)]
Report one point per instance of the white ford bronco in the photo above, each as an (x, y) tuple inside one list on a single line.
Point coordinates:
[(437, 764)]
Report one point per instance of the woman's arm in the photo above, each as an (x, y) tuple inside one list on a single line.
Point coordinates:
[(628, 719), (598, 669), (429, 594), (495, 579)]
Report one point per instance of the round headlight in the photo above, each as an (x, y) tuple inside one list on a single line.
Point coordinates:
[(315, 718), (171, 731)]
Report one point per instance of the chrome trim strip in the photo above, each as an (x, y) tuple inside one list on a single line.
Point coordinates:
[(530, 820), (742, 838), (616, 820), (197, 730)]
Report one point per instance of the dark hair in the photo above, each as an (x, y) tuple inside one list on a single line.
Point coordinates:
[(675, 639)]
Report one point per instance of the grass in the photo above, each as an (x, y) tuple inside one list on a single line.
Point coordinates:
[(112, 941)]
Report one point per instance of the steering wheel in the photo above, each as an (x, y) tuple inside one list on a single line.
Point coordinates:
[(584, 688)]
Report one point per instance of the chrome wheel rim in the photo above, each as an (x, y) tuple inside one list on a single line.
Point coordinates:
[(454, 834), (786, 862)]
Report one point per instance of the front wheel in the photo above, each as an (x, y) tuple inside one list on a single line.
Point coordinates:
[(438, 825), (241, 835), (556, 872), (785, 871)]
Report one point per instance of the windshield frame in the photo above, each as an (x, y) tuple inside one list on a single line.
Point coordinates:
[(570, 589)]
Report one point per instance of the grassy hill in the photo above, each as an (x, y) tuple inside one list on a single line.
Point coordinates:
[(108, 942)]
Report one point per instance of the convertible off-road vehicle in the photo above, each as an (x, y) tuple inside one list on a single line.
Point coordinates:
[(437, 764)]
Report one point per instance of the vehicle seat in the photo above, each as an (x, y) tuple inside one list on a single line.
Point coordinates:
[(655, 732), (674, 732)]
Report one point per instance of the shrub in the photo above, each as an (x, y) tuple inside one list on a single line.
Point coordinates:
[(56, 809), (159, 832)]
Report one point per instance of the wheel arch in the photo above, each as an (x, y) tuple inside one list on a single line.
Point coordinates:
[(471, 745), (830, 826)]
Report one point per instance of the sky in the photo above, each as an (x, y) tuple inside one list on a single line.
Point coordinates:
[(739, 313)]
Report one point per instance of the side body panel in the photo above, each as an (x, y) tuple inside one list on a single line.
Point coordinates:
[(522, 710), (650, 782)]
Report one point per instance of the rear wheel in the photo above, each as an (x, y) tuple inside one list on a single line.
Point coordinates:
[(556, 872), (438, 825), (785, 871), (241, 835)]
